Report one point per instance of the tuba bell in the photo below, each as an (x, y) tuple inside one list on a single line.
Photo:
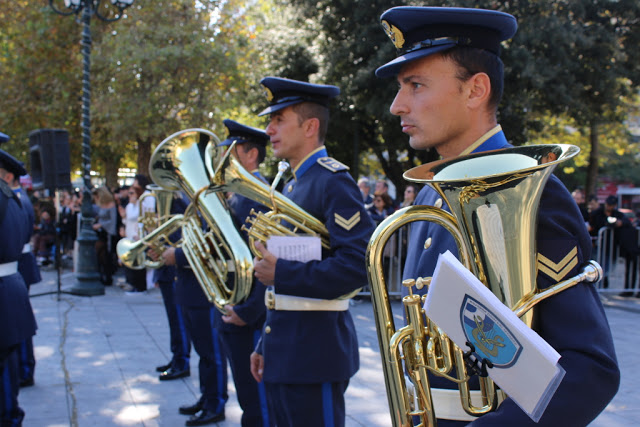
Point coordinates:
[(493, 198), (228, 175), (176, 164)]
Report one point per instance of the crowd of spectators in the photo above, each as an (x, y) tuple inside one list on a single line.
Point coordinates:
[(114, 214)]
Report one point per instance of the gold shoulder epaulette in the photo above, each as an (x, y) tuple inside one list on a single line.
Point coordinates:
[(332, 164)]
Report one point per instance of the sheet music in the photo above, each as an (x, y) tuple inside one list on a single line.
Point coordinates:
[(295, 248), (525, 366)]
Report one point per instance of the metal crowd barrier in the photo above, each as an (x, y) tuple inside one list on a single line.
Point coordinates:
[(394, 256), (620, 272)]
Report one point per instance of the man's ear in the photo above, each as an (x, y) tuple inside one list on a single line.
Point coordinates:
[(479, 86), (311, 126)]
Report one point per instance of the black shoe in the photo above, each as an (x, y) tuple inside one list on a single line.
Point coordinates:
[(27, 382), (205, 417), (172, 374), (191, 409), (163, 367)]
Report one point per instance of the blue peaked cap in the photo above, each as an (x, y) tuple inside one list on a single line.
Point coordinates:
[(4, 137), (10, 163), (418, 32), (282, 93), (240, 134)]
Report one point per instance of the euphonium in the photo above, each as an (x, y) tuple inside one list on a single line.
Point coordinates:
[(177, 164), (229, 175), (133, 253), (494, 198)]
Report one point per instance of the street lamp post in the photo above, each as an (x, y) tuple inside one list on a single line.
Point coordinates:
[(88, 280)]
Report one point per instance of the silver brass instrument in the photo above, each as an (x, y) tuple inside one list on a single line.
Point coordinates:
[(229, 175), (494, 198), (153, 228), (176, 164)]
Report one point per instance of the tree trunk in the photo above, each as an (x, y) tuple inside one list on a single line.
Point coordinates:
[(111, 173), (144, 155), (594, 155)]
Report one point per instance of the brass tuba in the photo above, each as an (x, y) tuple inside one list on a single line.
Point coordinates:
[(176, 164), (133, 253), (229, 175), (494, 198)]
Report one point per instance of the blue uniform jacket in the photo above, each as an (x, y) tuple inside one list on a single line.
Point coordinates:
[(17, 322), (189, 293), (573, 321), (27, 265), (305, 347), (252, 310)]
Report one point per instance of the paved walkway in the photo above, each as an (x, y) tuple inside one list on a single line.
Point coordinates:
[(96, 358)]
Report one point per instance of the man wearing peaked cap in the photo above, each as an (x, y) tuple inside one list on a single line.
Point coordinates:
[(282, 93), (450, 79), (27, 265), (17, 322), (309, 350), (241, 326)]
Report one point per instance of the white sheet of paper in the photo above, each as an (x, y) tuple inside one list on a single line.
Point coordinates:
[(295, 248), (525, 366)]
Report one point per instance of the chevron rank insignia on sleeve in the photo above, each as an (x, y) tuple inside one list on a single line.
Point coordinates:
[(557, 271), (332, 164), (348, 224)]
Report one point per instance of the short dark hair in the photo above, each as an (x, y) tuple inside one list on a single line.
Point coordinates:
[(142, 179), (312, 110), (262, 150), (611, 201), (471, 61)]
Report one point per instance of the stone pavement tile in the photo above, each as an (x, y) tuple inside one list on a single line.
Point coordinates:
[(96, 358)]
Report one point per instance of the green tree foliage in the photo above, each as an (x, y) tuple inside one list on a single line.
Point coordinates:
[(168, 66), (573, 59), (163, 67), (40, 74)]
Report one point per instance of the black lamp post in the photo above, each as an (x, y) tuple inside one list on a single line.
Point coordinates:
[(88, 280)]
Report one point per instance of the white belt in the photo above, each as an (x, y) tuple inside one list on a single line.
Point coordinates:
[(447, 405), (275, 301), (8, 268), (26, 248)]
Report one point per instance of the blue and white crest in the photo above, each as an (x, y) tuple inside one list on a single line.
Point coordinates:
[(491, 338)]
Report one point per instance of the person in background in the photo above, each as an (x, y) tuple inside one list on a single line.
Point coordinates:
[(383, 187), (365, 189), (450, 81), (578, 197), (382, 207), (68, 223), (44, 237), (410, 193), (136, 278), (105, 225), (625, 237), (140, 183)]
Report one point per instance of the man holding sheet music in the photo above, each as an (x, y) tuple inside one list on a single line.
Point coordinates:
[(450, 81), (309, 349)]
